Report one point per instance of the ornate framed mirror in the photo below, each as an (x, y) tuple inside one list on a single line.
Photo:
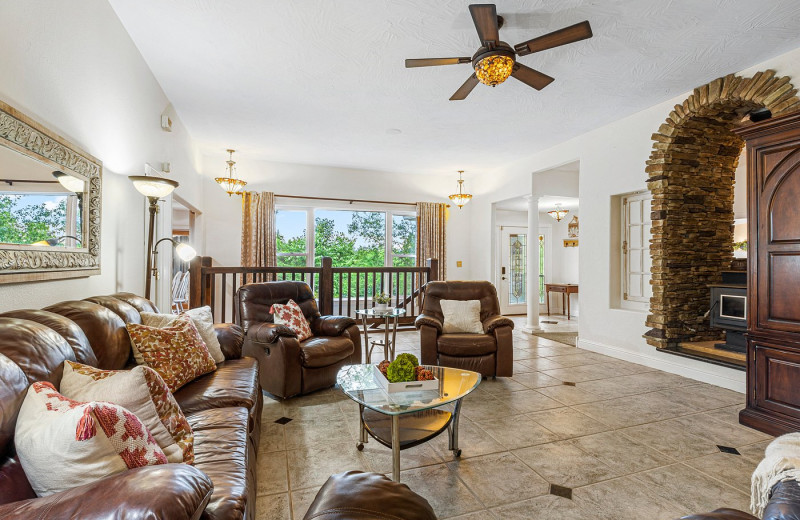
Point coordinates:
[(50, 203)]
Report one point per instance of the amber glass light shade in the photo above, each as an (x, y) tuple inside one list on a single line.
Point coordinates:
[(494, 70)]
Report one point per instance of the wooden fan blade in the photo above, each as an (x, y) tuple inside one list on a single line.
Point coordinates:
[(485, 18), (432, 62), (464, 90), (571, 34), (530, 77)]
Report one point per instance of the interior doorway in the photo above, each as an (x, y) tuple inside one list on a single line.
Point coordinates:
[(513, 286)]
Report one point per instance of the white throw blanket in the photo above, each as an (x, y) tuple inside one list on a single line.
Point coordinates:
[(781, 462)]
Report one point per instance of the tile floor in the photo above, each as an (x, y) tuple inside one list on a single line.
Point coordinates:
[(626, 441)]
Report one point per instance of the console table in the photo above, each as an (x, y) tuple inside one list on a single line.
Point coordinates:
[(565, 289)]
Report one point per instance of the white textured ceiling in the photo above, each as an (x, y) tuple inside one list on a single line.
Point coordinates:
[(321, 81)]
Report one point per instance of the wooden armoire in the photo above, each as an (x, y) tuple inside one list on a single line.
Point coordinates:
[(773, 286)]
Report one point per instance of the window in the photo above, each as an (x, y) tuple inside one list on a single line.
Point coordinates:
[(350, 238), (636, 262), (541, 269), (30, 218)]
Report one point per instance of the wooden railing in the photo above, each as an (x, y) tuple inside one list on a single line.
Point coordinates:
[(339, 290)]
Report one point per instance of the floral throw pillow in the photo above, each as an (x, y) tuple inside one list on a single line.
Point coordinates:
[(143, 392), (176, 352), (63, 443), (291, 315)]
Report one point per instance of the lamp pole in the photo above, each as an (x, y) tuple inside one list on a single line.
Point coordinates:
[(150, 232)]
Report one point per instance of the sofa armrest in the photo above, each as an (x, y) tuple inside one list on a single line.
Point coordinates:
[(724, 514), (424, 319), (492, 322), (174, 491), (784, 502), (269, 332), (331, 325), (231, 339)]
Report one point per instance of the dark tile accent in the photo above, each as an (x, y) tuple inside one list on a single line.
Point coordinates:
[(282, 420), (568, 383), (728, 449), (561, 491)]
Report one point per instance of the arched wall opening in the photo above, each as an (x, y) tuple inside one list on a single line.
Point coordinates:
[(691, 174)]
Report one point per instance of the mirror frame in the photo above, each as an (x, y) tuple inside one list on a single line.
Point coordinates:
[(20, 263)]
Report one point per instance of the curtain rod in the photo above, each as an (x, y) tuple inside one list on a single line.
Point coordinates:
[(350, 200)]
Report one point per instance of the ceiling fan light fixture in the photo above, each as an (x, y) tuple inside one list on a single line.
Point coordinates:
[(493, 70)]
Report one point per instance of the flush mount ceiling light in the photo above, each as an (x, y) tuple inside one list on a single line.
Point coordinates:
[(230, 183), (460, 198), (558, 213), (496, 60)]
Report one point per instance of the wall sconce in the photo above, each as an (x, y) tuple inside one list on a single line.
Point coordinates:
[(154, 188)]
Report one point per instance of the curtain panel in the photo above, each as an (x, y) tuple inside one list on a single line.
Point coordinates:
[(258, 229), (432, 235)]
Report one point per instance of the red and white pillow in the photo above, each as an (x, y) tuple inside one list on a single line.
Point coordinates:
[(63, 443), (291, 315), (176, 352), (143, 392)]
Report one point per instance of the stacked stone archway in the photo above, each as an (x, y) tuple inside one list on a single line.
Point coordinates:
[(691, 174)]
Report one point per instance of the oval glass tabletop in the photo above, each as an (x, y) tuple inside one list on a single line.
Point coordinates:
[(372, 312), (358, 383)]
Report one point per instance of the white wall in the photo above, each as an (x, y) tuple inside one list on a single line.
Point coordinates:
[(612, 161), (223, 214), (72, 67)]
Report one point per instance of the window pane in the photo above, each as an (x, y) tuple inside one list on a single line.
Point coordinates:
[(292, 261), (290, 228), (518, 275), (541, 269), (29, 218), (403, 261), (350, 238), (404, 234)]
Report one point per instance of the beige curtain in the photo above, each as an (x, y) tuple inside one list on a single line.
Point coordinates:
[(431, 235), (258, 229)]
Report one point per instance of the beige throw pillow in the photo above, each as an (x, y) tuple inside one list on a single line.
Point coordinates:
[(203, 321), (143, 392), (461, 316)]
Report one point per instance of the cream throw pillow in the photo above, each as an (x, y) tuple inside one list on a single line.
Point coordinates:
[(461, 316), (63, 443), (203, 321), (143, 392)]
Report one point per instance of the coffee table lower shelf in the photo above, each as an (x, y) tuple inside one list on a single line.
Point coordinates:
[(412, 429)]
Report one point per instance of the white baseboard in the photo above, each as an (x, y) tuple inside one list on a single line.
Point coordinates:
[(697, 370)]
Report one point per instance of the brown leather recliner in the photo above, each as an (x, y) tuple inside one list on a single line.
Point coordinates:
[(289, 367), (490, 353)]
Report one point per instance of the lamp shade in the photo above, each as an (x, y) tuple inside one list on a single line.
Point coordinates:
[(69, 182), (185, 251), (157, 187)]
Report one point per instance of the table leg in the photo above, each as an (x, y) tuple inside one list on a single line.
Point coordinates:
[(386, 339), (452, 430), (367, 349), (394, 335), (567, 306), (563, 305), (547, 297), (362, 430), (396, 448)]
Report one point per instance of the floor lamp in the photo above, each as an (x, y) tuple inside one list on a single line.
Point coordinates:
[(154, 188)]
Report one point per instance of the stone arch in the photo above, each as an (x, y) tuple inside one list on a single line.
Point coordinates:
[(691, 172)]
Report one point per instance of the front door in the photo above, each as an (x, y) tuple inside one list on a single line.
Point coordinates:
[(513, 273)]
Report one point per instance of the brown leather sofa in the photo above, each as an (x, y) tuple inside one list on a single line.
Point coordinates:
[(490, 353), (289, 367), (784, 504), (223, 408)]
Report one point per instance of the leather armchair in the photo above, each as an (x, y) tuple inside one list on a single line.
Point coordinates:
[(287, 366), (490, 353), (784, 504)]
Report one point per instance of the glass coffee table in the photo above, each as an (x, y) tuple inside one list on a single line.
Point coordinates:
[(402, 420)]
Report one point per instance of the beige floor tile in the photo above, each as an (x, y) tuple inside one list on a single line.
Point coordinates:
[(547, 507), (380, 457), (482, 407), (502, 386), (472, 440), (301, 501), (541, 363), (569, 395), (620, 453), (568, 423), (517, 431), (626, 499), (565, 464), (443, 489), (312, 465), (521, 354), (534, 380), (633, 410), (672, 438), (694, 491), (579, 359), (729, 468), (695, 396), (477, 515), (273, 507), (306, 432), (581, 373), (272, 438), (720, 432), (531, 401), (273, 475), (729, 414), (499, 478)]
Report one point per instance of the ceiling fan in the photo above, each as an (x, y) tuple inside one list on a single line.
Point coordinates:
[(496, 60)]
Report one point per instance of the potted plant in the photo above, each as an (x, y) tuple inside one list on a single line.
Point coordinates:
[(382, 301)]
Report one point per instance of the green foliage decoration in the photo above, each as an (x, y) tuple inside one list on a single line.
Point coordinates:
[(411, 357), (400, 371)]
